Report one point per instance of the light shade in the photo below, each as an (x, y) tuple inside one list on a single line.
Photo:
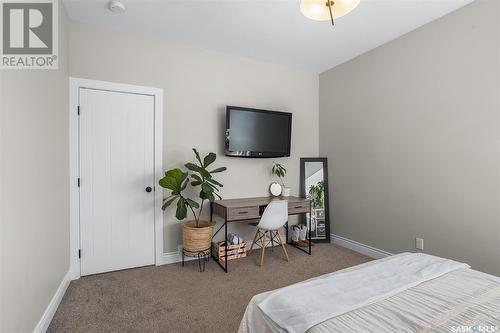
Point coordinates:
[(318, 9)]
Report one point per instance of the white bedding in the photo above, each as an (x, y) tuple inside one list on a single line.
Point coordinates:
[(452, 302), (351, 289)]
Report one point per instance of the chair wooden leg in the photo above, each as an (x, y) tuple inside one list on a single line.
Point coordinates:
[(263, 248), (272, 240), (283, 246), (253, 242)]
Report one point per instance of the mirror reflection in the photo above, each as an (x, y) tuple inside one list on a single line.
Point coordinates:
[(314, 186)]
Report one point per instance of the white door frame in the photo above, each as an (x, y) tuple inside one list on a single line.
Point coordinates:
[(74, 86)]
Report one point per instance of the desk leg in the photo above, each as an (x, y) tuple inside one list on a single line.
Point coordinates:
[(211, 211), (212, 254), (286, 229), (211, 220), (225, 232), (309, 231)]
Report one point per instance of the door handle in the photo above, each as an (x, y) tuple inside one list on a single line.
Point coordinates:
[(148, 189)]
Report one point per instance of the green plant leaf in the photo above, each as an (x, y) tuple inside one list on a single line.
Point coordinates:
[(184, 185), (167, 202), (197, 156), (209, 159), (207, 195), (192, 167), (181, 211), (206, 187), (213, 181), (196, 177), (193, 203), (196, 168), (177, 174), (203, 195), (213, 186), (278, 170), (205, 173), (219, 170), (206, 192), (173, 180), (195, 183)]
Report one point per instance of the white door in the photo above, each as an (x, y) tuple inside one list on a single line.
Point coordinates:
[(116, 133)]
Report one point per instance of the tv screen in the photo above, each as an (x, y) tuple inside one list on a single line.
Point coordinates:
[(257, 133)]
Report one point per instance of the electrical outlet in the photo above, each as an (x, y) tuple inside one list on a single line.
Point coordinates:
[(419, 243)]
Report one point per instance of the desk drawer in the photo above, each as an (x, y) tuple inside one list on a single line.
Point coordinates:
[(299, 207), (242, 213)]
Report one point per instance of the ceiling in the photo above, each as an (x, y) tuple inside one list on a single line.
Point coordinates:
[(267, 30)]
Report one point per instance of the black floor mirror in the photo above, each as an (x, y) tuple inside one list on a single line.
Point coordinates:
[(314, 186)]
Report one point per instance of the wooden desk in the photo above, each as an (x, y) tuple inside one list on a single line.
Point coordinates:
[(234, 210)]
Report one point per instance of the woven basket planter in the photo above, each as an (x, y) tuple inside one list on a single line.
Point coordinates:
[(197, 239)]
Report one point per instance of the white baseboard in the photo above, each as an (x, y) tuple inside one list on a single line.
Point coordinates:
[(173, 257), (168, 258), (47, 316), (367, 250)]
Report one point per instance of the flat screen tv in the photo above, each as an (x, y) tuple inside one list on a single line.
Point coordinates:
[(257, 133)]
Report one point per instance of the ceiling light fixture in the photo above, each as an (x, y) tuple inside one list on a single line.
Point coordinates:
[(322, 10), (116, 6)]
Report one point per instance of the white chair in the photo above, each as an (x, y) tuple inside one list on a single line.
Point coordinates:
[(274, 217)]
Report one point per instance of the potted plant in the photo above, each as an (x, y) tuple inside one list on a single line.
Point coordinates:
[(317, 195), (280, 171), (197, 233)]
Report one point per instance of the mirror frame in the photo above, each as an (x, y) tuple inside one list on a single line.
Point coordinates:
[(324, 160)]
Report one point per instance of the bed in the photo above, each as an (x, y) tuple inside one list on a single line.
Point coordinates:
[(408, 292)]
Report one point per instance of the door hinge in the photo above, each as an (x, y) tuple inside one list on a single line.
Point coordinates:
[(78, 110), (78, 182), (79, 254)]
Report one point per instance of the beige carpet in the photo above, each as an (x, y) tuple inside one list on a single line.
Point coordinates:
[(179, 299)]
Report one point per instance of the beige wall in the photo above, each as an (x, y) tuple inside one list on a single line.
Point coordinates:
[(412, 133), (34, 238), (198, 84)]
